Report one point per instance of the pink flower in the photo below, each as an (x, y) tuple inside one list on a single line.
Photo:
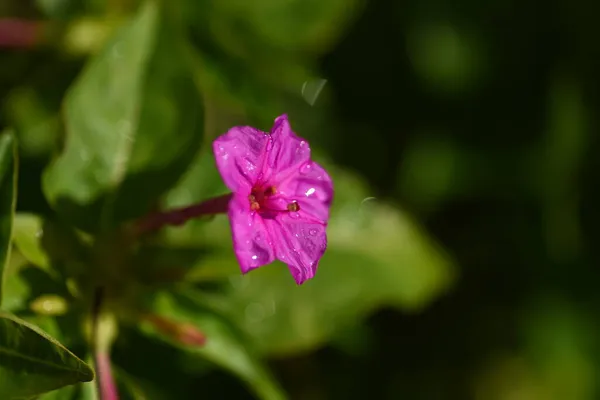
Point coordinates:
[(281, 198)]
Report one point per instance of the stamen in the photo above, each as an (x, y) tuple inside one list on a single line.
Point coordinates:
[(254, 205), (270, 191), (293, 206)]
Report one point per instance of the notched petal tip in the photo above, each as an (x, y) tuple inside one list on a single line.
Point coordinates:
[(281, 126), (302, 275)]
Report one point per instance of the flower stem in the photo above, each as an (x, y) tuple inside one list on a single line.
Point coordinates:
[(108, 388), (179, 216), (102, 336)]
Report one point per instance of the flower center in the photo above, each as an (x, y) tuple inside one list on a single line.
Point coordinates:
[(259, 200)]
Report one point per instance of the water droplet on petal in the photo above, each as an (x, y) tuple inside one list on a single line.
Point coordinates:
[(294, 215), (255, 257), (306, 169), (310, 192), (312, 232)]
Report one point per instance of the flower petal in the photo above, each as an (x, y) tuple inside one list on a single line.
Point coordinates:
[(312, 188), (251, 242), (240, 156), (298, 243), (287, 150)]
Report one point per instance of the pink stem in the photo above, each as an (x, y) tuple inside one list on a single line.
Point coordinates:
[(108, 388), (216, 205), (17, 33)]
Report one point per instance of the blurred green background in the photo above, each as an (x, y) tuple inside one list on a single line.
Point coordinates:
[(461, 138)]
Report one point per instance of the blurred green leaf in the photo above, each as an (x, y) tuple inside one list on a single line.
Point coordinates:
[(133, 124), (16, 294), (560, 345), (65, 393), (8, 195), (252, 55), (36, 126), (557, 161), (32, 362), (293, 25), (27, 283), (376, 256), (445, 56), (51, 245), (128, 387), (28, 230), (223, 347)]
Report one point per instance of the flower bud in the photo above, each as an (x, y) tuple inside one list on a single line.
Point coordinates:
[(182, 332)]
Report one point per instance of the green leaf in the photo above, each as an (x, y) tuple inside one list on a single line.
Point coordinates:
[(377, 256), (32, 362), (133, 125), (8, 195), (223, 347), (28, 230)]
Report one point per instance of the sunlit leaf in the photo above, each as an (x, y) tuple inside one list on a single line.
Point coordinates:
[(133, 124)]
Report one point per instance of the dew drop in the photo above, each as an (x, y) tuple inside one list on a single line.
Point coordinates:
[(294, 215), (310, 192), (312, 232), (306, 169)]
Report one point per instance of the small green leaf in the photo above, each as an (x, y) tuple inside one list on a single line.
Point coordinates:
[(32, 362), (134, 120), (28, 230), (8, 194), (223, 347)]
